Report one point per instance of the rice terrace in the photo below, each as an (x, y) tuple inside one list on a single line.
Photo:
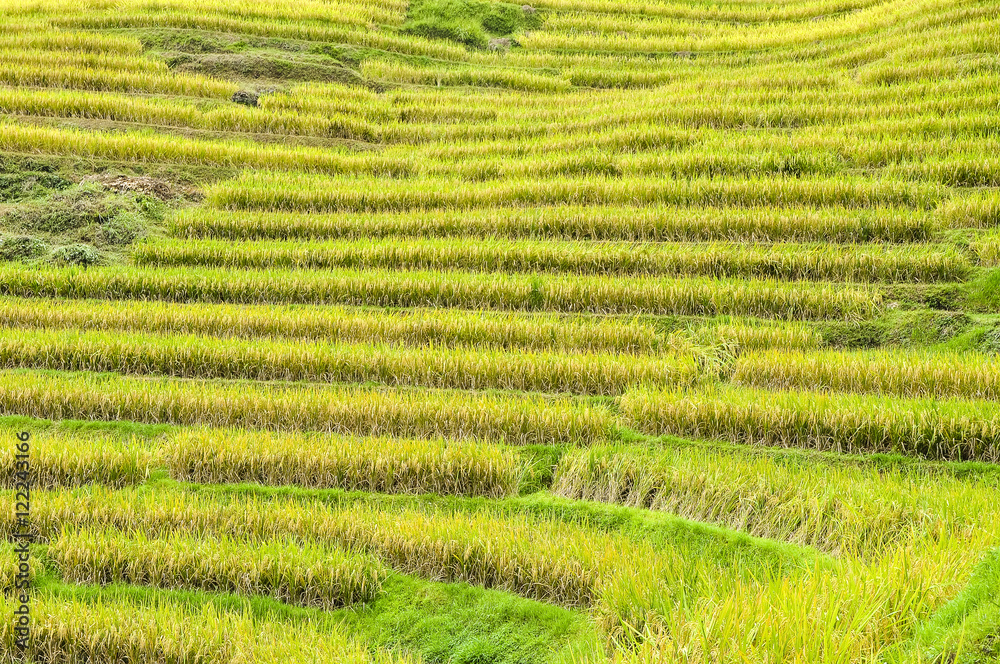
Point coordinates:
[(469, 332)]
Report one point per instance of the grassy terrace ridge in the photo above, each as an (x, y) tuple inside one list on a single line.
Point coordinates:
[(483, 332)]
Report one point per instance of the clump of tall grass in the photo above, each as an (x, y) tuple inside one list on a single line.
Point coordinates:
[(987, 249), (10, 568)]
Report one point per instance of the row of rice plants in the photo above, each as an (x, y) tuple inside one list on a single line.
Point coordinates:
[(119, 81), (294, 192), (824, 262), (377, 465), (57, 461), (384, 288), (980, 209), (514, 79), (340, 11), (10, 568), (154, 147), (325, 577), (957, 170), (513, 419), (750, 335), (737, 12), (121, 629), (48, 39), (569, 222), (956, 162), (193, 18), (848, 507), (409, 327), (743, 37), (695, 100), (234, 456), (14, 58), (805, 152), (571, 565), (538, 558), (190, 356), (155, 111), (901, 372), (851, 423)]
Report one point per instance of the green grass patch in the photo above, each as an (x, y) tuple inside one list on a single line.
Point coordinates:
[(965, 630), (471, 22)]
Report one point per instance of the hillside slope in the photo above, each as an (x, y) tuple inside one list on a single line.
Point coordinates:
[(465, 331)]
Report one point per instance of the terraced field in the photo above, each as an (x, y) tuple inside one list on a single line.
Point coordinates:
[(470, 332)]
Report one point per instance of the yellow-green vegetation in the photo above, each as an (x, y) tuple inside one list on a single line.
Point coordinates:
[(910, 373), (382, 465), (852, 423), (192, 356), (405, 327), (113, 461), (528, 420), (118, 629), (305, 575), (484, 332), (844, 505), (829, 261), (388, 288)]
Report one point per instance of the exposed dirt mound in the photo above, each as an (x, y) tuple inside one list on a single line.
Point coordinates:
[(135, 184)]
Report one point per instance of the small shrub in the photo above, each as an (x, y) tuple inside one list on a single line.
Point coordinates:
[(75, 254), (20, 247), (76, 207), (123, 228), (20, 185), (991, 340)]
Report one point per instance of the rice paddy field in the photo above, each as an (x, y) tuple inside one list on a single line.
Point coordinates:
[(466, 332)]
